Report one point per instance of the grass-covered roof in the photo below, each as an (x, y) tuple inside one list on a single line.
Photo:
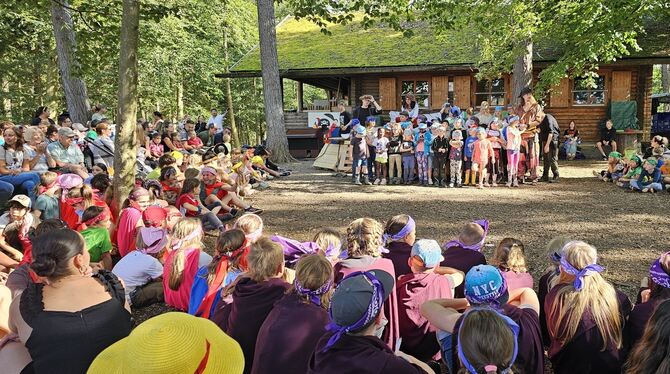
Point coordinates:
[(302, 46)]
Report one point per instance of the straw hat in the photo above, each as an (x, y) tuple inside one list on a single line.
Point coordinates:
[(172, 343)]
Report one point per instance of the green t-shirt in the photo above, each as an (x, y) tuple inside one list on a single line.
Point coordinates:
[(97, 241), (154, 174)]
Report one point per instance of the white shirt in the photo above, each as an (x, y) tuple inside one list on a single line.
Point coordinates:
[(137, 269), (217, 121)]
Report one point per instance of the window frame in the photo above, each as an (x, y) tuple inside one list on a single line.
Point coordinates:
[(490, 94), (604, 91), (414, 80)]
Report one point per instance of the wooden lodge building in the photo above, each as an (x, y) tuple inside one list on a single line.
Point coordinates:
[(381, 62)]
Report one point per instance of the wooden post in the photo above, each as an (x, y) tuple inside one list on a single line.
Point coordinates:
[(299, 94)]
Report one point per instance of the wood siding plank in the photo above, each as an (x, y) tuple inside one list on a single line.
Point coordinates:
[(462, 91), (387, 93), (621, 85), (439, 91), (560, 94)]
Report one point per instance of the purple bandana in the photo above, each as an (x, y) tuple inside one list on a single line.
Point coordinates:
[(580, 274), (402, 233), (314, 295), (484, 223), (658, 275), (294, 249), (376, 303), (509, 322)]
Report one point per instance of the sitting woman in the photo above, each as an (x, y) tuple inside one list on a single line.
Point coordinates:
[(510, 259), (571, 140), (15, 164), (585, 315), (35, 149), (68, 320)]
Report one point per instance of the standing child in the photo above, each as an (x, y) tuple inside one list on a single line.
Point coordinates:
[(456, 157), (513, 151), (46, 204), (494, 135), (468, 149), (399, 236), (422, 141), (358, 153), (440, 149), (94, 227), (481, 156), (189, 205), (381, 158), (395, 157), (407, 152)]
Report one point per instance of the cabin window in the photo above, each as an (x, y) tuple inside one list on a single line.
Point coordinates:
[(492, 91), (585, 92), (420, 89)]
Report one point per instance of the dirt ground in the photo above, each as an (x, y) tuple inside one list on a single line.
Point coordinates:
[(629, 229)]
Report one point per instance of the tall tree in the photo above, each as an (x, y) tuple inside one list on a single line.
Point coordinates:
[(229, 92), (665, 77), (274, 114), (125, 142), (74, 86)]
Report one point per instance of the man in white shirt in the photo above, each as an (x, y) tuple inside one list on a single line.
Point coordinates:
[(217, 120)]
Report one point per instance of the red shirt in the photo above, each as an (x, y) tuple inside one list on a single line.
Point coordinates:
[(215, 189), (194, 142), (187, 198)]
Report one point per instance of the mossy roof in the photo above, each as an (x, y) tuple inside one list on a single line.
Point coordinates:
[(302, 46)]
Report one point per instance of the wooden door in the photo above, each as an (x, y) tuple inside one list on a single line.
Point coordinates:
[(387, 93), (440, 91), (462, 91), (560, 94), (621, 82)]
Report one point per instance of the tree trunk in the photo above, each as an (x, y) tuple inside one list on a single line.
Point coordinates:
[(229, 93), (665, 77), (274, 114), (523, 70), (180, 99), (66, 49), (6, 101), (125, 143)]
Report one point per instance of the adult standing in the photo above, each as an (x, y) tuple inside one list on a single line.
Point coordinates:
[(42, 113), (368, 108), (15, 166), (216, 119), (550, 134), (410, 106), (345, 118), (484, 114), (66, 154), (531, 115)]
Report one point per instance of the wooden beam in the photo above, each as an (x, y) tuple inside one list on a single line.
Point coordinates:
[(300, 96)]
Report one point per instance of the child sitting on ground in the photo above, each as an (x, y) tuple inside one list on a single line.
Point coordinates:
[(381, 158), (14, 224), (399, 236), (650, 180), (189, 205), (425, 282), (464, 252), (94, 227), (482, 155), (665, 170), (510, 259), (194, 141), (633, 173), (170, 183), (46, 204), (456, 156), (549, 279), (221, 192), (614, 168), (142, 269), (223, 270), (326, 242)]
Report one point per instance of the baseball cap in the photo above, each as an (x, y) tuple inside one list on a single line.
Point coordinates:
[(66, 131), (22, 200), (150, 348), (484, 284), (360, 130), (352, 296), (428, 251), (154, 216), (154, 239), (355, 122)]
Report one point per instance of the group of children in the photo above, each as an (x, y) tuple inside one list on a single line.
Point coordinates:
[(452, 153), (649, 172)]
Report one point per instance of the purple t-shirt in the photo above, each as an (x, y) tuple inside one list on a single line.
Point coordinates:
[(357, 355), (462, 259), (637, 320), (584, 354), (288, 336), (399, 253)]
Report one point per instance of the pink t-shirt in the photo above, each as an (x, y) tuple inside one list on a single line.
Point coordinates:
[(513, 139), (179, 298), (126, 230), (156, 149), (517, 280)]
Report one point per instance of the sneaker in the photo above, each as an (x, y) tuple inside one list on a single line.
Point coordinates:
[(451, 185), (604, 158), (357, 182), (225, 217), (515, 183), (486, 184), (494, 184), (262, 186), (645, 190), (509, 183), (377, 181), (234, 211), (366, 181), (543, 179), (383, 182), (555, 180), (253, 210)]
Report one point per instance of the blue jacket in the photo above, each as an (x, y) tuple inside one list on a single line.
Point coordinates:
[(468, 146), (427, 140), (656, 177)]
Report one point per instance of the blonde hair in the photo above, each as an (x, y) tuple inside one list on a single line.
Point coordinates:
[(48, 178), (326, 237), (313, 271), (597, 297), (266, 259), (181, 230), (509, 256), (364, 237), (249, 223)]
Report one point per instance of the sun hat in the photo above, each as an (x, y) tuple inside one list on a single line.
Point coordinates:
[(360, 130), (484, 284), (428, 251), (172, 343), (154, 216), (155, 239), (22, 200)]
